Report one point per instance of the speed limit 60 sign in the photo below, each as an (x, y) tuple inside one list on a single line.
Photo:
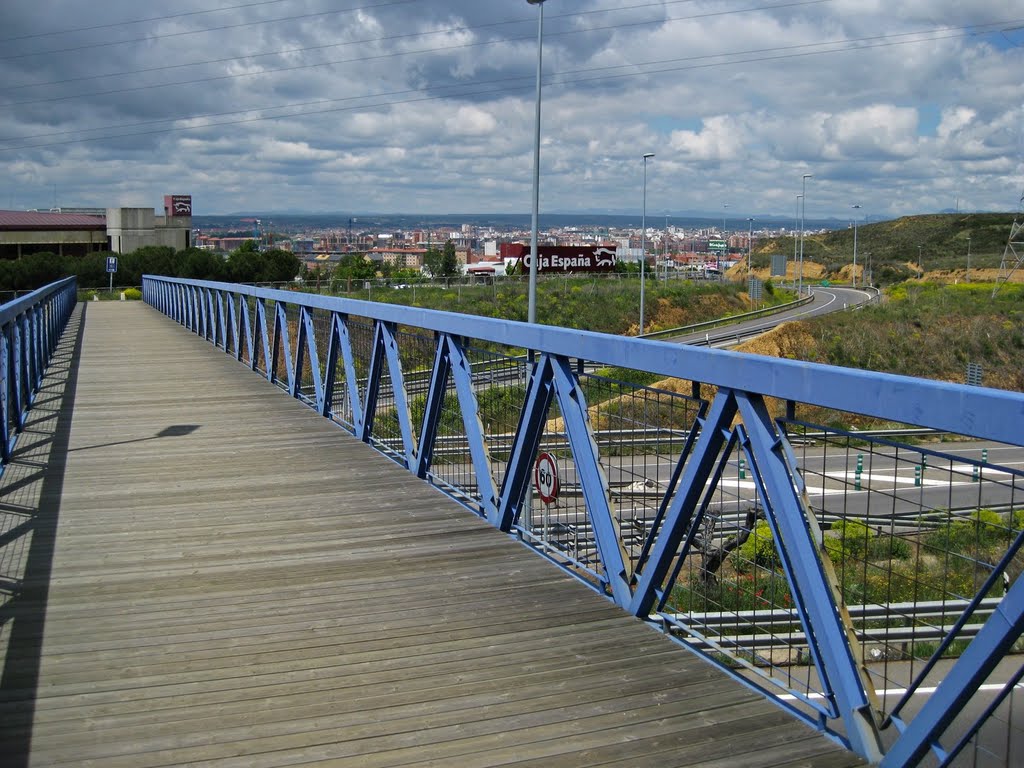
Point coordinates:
[(545, 478)]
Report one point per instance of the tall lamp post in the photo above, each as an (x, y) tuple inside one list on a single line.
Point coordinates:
[(718, 254), (643, 242), (750, 249), (803, 209), (920, 264), (531, 311), (664, 249), (968, 259), (855, 207), (796, 229)]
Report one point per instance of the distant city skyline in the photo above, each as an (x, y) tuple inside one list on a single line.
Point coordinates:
[(427, 108)]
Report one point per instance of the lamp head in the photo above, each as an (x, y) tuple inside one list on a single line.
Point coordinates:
[(535, 2), (808, 175), (646, 154)]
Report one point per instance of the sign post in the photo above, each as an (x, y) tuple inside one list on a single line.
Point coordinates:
[(545, 480), (111, 269)]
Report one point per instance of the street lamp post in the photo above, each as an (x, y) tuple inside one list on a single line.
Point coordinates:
[(920, 264), (796, 229), (803, 209), (643, 242), (531, 312), (664, 249), (750, 249), (855, 207), (750, 243), (968, 259), (718, 254)]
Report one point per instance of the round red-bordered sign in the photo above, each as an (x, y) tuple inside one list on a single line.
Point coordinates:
[(545, 478)]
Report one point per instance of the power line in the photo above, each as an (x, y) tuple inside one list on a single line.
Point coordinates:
[(288, 51), (794, 52), (296, 67), (961, 32), (150, 38), (113, 24)]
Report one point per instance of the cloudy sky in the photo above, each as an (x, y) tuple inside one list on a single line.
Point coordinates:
[(427, 106)]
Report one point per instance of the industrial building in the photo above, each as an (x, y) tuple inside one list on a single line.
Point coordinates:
[(118, 230)]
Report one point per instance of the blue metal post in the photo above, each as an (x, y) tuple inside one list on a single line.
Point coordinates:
[(587, 458), (816, 601), (514, 484)]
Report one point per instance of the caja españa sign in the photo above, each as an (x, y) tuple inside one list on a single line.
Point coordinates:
[(564, 258)]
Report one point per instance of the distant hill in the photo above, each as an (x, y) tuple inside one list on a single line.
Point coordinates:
[(891, 247)]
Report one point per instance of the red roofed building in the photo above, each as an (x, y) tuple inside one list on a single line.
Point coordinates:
[(67, 234), (120, 230)]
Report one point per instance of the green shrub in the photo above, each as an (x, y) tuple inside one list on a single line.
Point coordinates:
[(132, 294), (981, 530), (758, 550), (849, 540), (1017, 519), (889, 548)]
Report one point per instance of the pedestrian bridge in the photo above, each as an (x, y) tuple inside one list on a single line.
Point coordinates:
[(199, 568)]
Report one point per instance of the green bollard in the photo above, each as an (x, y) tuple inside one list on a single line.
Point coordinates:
[(856, 480), (743, 472), (860, 462), (917, 475)]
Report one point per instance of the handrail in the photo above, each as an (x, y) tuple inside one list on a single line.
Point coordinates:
[(30, 329)]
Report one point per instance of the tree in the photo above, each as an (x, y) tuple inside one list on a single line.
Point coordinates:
[(148, 260), (442, 263), (279, 266), (352, 266), (244, 265), (197, 264)]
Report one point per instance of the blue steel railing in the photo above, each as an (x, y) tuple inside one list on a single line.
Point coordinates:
[(30, 328), (424, 387)]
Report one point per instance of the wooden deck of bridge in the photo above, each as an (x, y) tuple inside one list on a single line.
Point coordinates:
[(198, 570)]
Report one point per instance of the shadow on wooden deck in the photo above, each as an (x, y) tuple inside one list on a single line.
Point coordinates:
[(30, 497)]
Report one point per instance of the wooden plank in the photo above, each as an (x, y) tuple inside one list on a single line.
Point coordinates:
[(233, 580)]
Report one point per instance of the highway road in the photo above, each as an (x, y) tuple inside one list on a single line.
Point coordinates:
[(825, 300)]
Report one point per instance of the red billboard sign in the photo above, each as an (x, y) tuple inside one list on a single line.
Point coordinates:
[(177, 205), (563, 258)]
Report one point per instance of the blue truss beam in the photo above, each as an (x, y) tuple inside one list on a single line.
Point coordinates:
[(462, 374), (801, 560), (539, 392), (585, 453), (714, 435), (389, 341), (435, 403)]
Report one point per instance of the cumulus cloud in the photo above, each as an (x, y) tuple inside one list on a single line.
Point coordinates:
[(424, 106)]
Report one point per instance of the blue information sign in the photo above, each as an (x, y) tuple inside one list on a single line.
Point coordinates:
[(111, 263)]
